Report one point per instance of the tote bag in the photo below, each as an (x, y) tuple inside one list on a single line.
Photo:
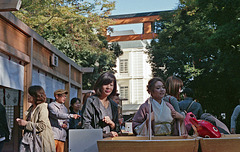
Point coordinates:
[(31, 142)]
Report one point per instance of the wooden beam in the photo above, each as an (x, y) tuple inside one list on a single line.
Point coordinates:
[(28, 31), (131, 37), (136, 20), (87, 69), (40, 66), (10, 5), (14, 52), (75, 83)]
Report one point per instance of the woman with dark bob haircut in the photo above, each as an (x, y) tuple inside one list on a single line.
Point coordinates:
[(104, 79), (75, 109), (100, 111)]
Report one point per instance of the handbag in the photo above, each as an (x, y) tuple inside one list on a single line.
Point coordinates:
[(205, 128), (187, 122), (31, 142)]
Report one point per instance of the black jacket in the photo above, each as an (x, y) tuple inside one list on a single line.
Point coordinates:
[(4, 131), (92, 117), (73, 123)]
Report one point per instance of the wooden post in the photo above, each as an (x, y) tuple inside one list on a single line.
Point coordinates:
[(68, 87), (27, 77), (79, 93)]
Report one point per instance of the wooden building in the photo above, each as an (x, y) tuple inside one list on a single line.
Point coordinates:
[(28, 59)]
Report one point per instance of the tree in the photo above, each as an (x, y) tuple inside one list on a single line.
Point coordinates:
[(200, 44), (76, 28)]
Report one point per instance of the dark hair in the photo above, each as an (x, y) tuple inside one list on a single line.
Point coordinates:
[(86, 95), (34, 92), (172, 86), (74, 100), (188, 92), (104, 79), (152, 82)]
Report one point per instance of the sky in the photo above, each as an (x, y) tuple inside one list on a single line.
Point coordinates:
[(140, 6)]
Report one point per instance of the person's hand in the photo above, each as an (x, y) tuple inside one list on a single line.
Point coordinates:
[(174, 113), (110, 134), (233, 131), (120, 121), (152, 116), (184, 135), (75, 116), (107, 120), (21, 122), (64, 126), (80, 123)]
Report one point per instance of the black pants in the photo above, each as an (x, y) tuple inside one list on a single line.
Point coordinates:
[(1, 145)]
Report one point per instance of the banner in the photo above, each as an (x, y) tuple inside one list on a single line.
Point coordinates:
[(11, 97), (73, 92), (12, 74)]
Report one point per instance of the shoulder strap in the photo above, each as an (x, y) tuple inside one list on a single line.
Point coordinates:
[(190, 105), (170, 100)]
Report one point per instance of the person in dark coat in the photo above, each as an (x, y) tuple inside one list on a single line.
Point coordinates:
[(100, 111), (189, 105), (4, 131), (75, 109)]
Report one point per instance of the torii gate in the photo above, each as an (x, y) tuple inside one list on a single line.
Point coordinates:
[(146, 18)]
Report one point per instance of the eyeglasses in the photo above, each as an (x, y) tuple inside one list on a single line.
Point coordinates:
[(61, 95)]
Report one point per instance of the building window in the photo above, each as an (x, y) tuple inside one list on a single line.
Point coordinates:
[(124, 92), (123, 65)]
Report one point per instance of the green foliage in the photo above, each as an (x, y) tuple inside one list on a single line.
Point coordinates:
[(75, 27), (200, 44), (115, 47)]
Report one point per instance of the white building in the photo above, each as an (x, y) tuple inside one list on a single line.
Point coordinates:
[(133, 69), (133, 73)]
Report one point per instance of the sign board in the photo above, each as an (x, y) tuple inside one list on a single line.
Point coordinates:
[(84, 140), (10, 5), (128, 127)]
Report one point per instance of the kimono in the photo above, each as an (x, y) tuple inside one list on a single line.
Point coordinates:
[(163, 123)]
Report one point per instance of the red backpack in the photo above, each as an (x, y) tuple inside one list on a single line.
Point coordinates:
[(205, 128), (187, 121)]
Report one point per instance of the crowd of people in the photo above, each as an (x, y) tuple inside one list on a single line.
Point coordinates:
[(163, 110)]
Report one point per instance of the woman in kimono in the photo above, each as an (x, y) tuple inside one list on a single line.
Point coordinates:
[(163, 114)]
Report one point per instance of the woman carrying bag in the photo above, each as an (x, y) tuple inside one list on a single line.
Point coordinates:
[(37, 121)]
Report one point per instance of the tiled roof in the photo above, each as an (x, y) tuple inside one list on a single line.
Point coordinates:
[(138, 14)]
